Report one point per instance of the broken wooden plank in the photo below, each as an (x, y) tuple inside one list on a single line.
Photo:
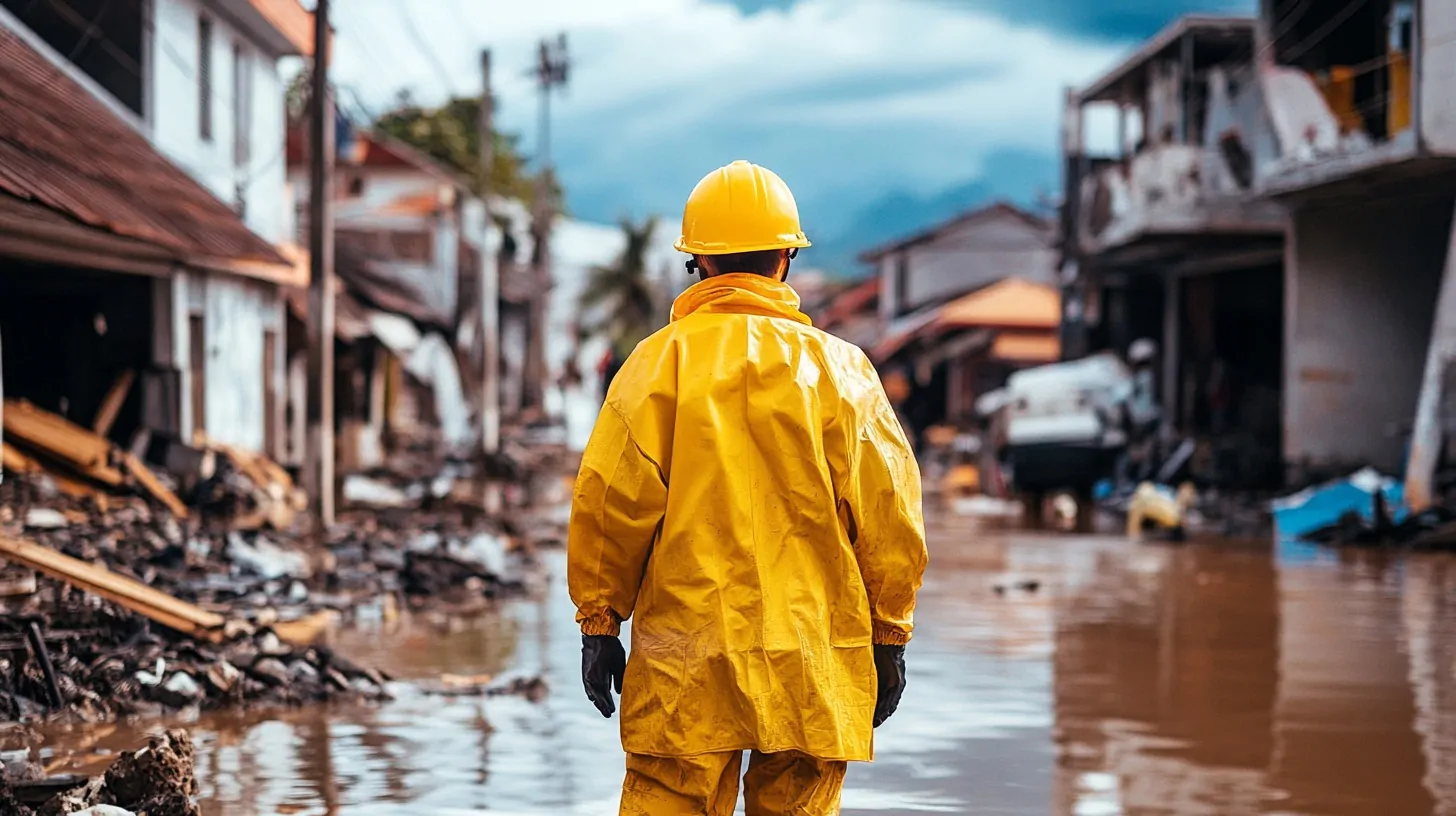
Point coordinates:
[(134, 595), (154, 487), (16, 461), (111, 404), (306, 630), (60, 439)]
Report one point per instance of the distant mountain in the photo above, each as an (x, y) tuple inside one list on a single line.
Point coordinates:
[(849, 229)]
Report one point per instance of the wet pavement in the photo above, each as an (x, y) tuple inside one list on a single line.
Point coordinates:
[(1075, 676)]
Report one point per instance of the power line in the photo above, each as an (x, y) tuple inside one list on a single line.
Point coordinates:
[(1339, 19), (424, 48)]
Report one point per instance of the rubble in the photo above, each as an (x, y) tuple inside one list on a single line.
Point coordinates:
[(141, 609), (156, 780)]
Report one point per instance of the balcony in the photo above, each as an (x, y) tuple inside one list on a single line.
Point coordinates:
[(1191, 136)]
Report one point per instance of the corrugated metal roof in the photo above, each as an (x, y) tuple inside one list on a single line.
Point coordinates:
[(64, 149)]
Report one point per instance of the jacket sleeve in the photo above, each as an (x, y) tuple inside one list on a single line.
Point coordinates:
[(880, 507), (618, 503)]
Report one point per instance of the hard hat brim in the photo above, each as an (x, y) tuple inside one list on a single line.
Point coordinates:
[(695, 248)]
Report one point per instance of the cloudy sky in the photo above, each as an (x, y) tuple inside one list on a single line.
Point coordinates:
[(879, 113)]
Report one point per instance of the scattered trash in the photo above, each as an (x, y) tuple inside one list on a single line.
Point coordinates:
[(374, 493), (44, 518), (266, 559), (1030, 586), (1160, 508)]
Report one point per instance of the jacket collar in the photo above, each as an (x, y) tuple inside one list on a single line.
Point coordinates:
[(740, 293)]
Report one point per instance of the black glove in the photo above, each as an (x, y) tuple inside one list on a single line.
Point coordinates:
[(890, 673), (603, 662)]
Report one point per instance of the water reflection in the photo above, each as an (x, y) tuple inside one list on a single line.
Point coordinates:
[(1069, 675)]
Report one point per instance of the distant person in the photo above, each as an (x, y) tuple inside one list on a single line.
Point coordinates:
[(750, 501)]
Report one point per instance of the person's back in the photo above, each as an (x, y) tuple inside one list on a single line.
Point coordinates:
[(749, 498)]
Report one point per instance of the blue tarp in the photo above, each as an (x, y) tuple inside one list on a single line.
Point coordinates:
[(1316, 507)]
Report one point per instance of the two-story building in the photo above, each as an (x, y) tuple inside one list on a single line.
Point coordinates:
[(1360, 103), (1165, 238), (159, 124), (412, 263), (962, 304)]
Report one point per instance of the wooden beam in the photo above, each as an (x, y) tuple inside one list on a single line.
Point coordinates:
[(133, 595), (149, 482), (61, 439), (111, 405)]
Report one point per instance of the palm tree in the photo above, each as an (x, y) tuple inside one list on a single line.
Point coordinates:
[(620, 301)]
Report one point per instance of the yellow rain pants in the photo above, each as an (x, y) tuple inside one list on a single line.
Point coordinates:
[(708, 784), (749, 500)]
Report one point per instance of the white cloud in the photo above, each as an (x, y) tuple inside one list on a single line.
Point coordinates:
[(668, 88)]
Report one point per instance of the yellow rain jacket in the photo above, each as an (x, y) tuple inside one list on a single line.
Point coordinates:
[(749, 499)]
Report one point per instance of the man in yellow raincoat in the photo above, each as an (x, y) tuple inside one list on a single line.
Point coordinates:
[(749, 500)]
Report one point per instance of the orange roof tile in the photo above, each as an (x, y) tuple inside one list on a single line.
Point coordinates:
[(1011, 303)]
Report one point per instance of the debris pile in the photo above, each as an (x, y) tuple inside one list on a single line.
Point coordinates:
[(97, 661), (1365, 509), (127, 590), (156, 780)]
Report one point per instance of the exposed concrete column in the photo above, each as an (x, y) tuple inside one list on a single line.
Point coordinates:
[(1426, 437), (1171, 352)]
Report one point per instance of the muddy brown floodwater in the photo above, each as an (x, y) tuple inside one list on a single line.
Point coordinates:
[(1076, 676)]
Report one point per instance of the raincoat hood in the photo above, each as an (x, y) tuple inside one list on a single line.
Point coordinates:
[(740, 293)]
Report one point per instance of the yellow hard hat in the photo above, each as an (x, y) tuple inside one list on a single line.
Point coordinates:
[(740, 208)]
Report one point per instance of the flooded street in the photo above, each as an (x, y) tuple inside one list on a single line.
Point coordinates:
[(1076, 676)]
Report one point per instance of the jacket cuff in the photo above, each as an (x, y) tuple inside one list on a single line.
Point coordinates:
[(887, 635), (603, 624)]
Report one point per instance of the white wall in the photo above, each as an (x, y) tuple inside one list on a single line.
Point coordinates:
[(1361, 287), (175, 112), (236, 312), (966, 258), (576, 247), (1437, 25)]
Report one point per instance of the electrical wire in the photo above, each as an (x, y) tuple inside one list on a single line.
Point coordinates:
[(424, 48), (1325, 30)]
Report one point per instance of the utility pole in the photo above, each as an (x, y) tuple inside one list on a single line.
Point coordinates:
[(551, 72), (490, 274), (319, 454)]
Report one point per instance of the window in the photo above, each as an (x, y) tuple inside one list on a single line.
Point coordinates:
[(204, 78), (197, 370), (242, 106), (356, 186)]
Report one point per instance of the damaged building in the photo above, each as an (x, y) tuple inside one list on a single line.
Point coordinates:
[(144, 244), (411, 268), (1365, 126), (1165, 238)]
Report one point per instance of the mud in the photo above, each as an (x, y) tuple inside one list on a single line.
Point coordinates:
[(155, 780)]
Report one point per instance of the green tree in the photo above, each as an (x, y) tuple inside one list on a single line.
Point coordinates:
[(619, 301), (449, 135)]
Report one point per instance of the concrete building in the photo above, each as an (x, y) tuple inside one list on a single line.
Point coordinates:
[(1164, 238), (163, 123), (1365, 126)]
